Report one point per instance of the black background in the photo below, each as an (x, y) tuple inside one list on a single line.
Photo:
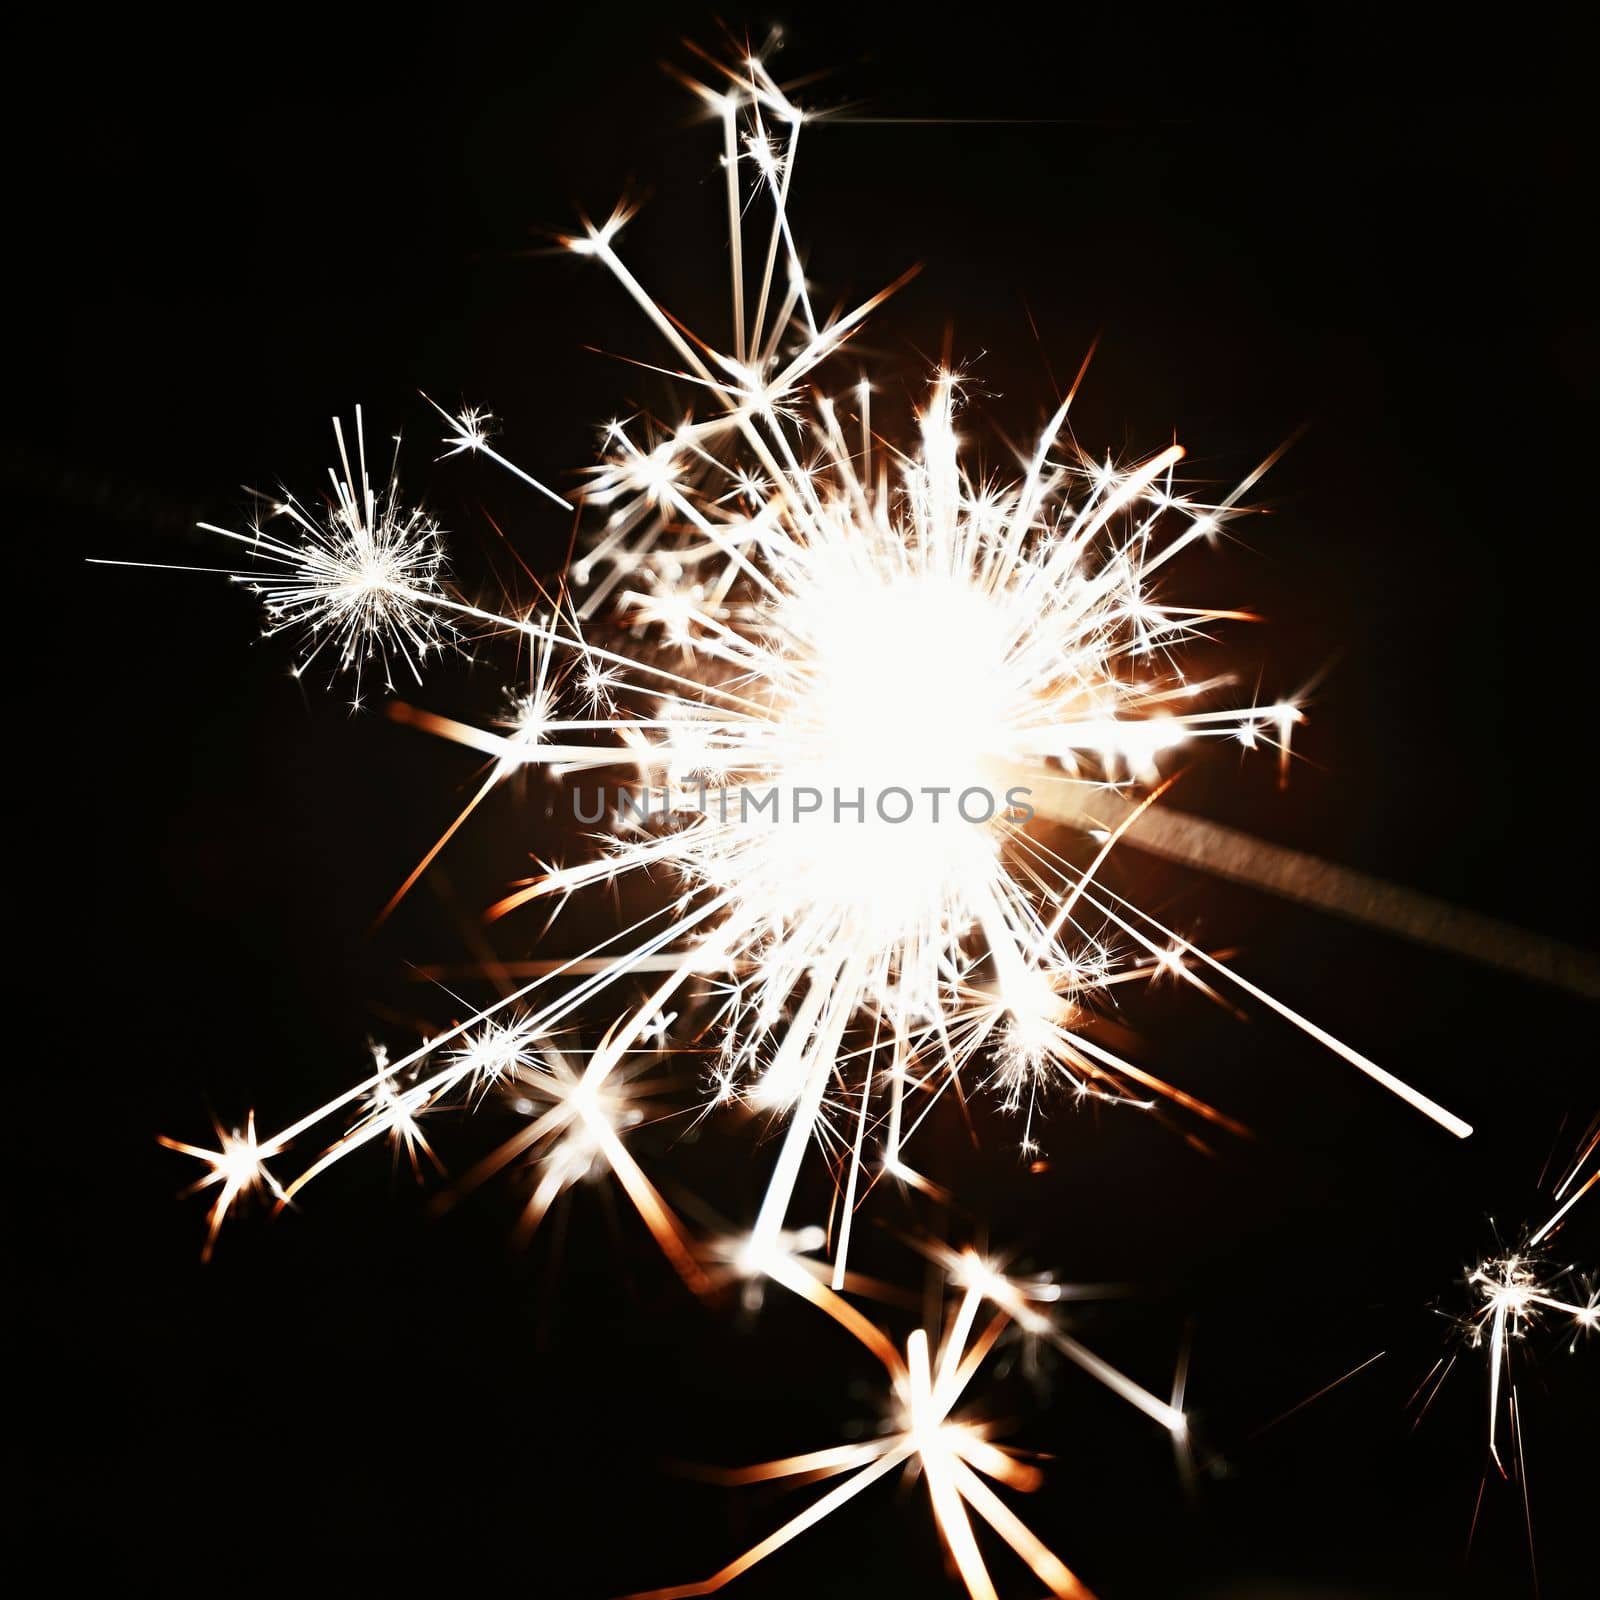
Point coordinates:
[(241, 227)]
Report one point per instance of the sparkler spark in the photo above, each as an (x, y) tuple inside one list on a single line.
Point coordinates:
[(237, 1168), (1514, 1295), (1516, 1291), (363, 578), (952, 1453)]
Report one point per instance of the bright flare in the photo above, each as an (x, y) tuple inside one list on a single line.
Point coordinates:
[(794, 609)]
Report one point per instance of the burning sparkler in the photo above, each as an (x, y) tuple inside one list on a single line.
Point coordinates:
[(879, 654), (844, 667)]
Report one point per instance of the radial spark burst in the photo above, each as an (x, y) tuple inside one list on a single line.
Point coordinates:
[(932, 1426), (837, 679), (363, 580), (1519, 1299), (237, 1167), (1517, 1292)]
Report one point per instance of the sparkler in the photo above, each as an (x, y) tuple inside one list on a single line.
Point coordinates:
[(867, 642), (786, 614)]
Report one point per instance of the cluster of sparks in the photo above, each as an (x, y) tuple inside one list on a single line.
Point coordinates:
[(362, 583), (779, 598), (1515, 1294), (925, 1430)]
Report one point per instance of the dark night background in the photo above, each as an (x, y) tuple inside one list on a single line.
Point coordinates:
[(1325, 221)]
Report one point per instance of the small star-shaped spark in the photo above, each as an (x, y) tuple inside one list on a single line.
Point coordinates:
[(238, 1166)]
